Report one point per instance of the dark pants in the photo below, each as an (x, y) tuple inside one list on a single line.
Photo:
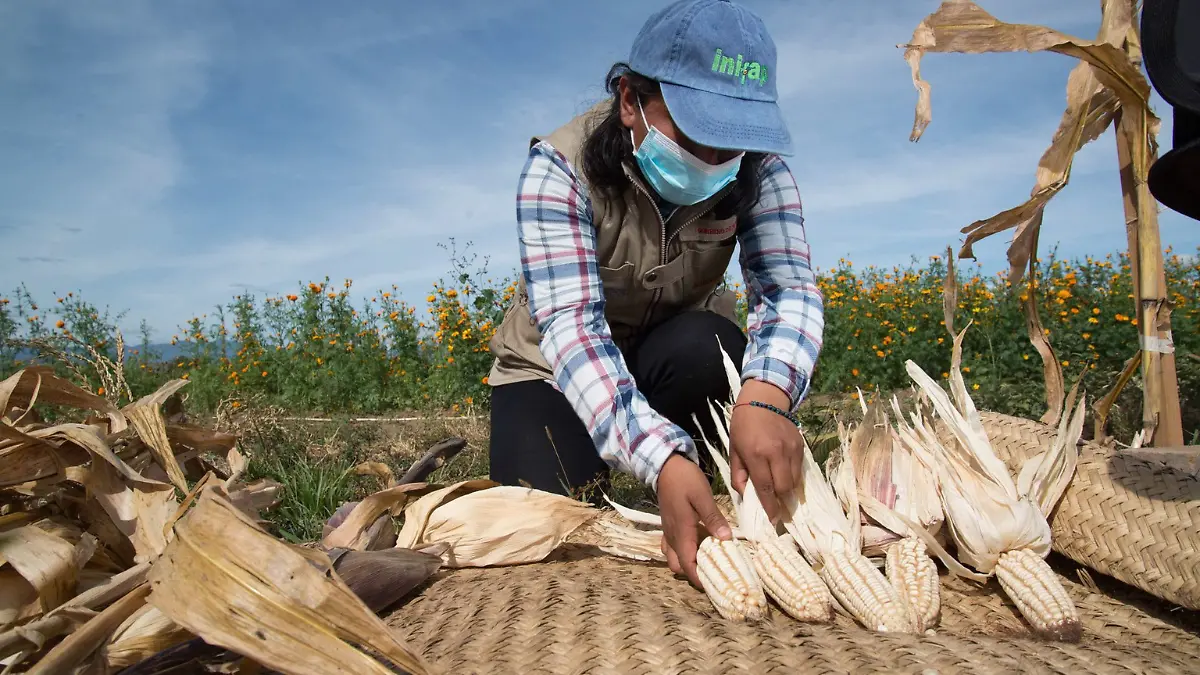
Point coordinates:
[(676, 366)]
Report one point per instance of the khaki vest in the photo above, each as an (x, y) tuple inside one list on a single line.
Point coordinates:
[(650, 270)]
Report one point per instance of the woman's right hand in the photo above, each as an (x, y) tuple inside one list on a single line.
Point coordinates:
[(686, 504)]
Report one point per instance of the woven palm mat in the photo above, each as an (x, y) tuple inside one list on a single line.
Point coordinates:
[(586, 613)]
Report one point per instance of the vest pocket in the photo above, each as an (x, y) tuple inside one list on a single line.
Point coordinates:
[(704, 264), (616, 281)]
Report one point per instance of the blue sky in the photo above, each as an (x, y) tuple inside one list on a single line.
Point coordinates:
[(163, 156)]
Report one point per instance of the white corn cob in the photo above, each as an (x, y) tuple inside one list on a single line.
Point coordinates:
[(729, 580), (791, 581), (863, 591), (915, 578), (1037, 592)]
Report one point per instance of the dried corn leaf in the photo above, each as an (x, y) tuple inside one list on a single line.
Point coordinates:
[(76, 648), (254, 498), (237, 466), (1052, 373), (91, 439), (18, 598), (352, 532), (46, 562), (378, 469), (1096, 89), (33, 635), (200, 439), (147, 420), (816, 520), (18, 392), (145, 633), (502, 525), (139, 511), (266, 599)]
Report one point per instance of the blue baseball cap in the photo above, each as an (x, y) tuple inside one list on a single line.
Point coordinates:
[(715, 63)]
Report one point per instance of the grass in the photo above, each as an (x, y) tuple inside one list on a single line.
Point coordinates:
[(315, 462)]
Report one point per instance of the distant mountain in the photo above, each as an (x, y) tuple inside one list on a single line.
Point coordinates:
[(165, 350)]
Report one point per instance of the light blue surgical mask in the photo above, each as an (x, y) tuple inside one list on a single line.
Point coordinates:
[(677, 175)]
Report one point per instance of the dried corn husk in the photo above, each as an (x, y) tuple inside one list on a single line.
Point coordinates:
[(488, 524), (893, 486), (278, 604), (624, 541), (992, 518), (986, 513), (832, 542)]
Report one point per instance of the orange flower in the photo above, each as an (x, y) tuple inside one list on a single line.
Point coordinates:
[(484, 380), (100, 391), (292, 297), (235, 404), (59, 324), (854, 372)]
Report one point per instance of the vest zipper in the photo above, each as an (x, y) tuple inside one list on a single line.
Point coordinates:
[(665, 241)]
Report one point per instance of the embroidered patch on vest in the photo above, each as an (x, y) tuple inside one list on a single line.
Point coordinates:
[(709, 233)]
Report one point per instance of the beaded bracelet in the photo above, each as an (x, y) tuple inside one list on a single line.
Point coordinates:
[(774, 409)]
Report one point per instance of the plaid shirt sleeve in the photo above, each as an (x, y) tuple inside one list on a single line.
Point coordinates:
[(558, 263), (786, 310)]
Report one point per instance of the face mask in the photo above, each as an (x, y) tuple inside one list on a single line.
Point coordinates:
[(677, 175)]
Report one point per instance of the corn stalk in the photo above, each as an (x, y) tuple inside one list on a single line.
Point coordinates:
[(1106, 89)]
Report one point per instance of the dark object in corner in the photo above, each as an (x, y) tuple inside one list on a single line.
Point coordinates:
[(1171, 48)]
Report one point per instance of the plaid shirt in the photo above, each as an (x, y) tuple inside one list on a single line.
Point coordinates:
[(566, 299)]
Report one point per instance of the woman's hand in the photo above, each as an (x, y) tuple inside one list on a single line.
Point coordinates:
[(765, 447), (685, 501)]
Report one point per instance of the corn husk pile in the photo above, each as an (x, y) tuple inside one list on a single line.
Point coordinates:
[(118, 541)]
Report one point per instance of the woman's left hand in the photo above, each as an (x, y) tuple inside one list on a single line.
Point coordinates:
[(765, 447)]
